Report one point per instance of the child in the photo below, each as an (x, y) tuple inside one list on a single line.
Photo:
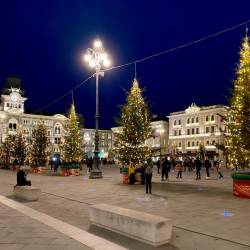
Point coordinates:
[(179, 169)]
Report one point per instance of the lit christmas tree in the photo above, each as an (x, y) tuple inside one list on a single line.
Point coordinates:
[(238, 119), (7, 150), (72, 147), (19, 152), (135, 128), (39, 149)]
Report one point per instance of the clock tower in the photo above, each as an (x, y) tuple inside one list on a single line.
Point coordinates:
[(13, 102)]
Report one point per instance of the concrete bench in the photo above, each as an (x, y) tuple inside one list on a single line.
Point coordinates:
[(148, 228), (27, 193)]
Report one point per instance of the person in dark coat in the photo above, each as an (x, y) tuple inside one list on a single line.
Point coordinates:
[(148, 176), (21, 178), (158, 164), (198, 168), (207, 166), (165, 169)]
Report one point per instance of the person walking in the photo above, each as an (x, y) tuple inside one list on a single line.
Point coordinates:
[(198, 168), (218, 168), (179, 169), (148, 176), (131, 172), (158, 164), (164, 169), (207, 166)]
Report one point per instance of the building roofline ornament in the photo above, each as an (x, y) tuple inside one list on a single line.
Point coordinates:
[(193, 108)]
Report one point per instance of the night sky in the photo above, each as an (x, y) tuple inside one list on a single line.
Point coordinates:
[(42, 42)]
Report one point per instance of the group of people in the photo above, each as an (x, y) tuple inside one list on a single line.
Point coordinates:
[(192, 164)]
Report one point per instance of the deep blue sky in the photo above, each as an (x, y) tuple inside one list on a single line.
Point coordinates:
[(42, 42)]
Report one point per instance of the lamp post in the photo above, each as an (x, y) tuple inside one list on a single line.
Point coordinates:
[(160, 131), (97, 58)]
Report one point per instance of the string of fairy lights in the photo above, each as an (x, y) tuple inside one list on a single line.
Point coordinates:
[(70, 92)]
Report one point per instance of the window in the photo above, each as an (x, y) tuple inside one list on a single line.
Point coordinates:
[(197, 119), (207, 129), (212, 129), (175, 133), (207, 143), (197, 130), (188, 143), (192, 120), (8, 104), (57, 140), (213, 142), (197, 143), (192, 131), (12, 125), (179, 132), (192, 143), (207, 118), (48, 133), (57, 129), (188, 131), (212, 118), (188, 121), (179, 144), (175, 122), (179, 122)]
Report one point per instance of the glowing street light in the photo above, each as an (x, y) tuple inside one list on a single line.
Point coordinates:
[(160, 131), (97, 58)]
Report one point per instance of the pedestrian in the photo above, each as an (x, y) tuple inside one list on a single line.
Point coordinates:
[(218, 168), (131, 172), (179, 169), (148, 176), (198, 164), (21, 178), (165, 169), (207, 166), (158, 164), (89, 164)]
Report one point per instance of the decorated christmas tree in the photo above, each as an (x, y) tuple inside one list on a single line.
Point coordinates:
[(72, 147), (39, 148), (7, 150), (19, 153), (134, 122), (238, 119)]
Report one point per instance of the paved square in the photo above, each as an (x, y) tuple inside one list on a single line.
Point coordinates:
[(205, 213)]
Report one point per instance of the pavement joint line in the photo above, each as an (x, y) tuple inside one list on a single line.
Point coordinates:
[(213, 236), (66, 198), (84, 237)]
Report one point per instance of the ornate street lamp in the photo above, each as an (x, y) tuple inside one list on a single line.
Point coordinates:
[(97, 58), (160, 131)]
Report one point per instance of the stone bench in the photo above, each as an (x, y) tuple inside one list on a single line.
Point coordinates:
[(148, 228), (27, 193)]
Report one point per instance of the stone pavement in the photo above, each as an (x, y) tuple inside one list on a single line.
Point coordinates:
[(205, 213)]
